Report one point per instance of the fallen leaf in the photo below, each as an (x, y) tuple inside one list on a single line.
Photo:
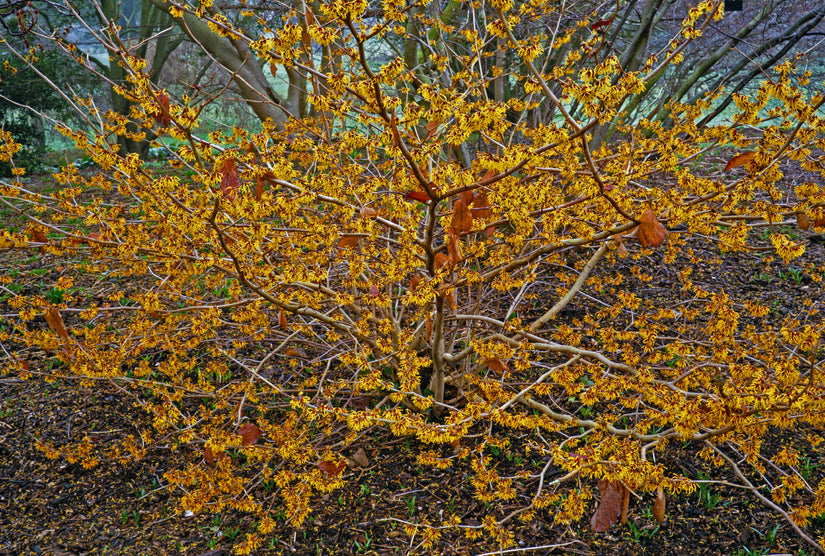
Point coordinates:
[(609, 508), (659, 505), (497, 365), (360, 458), (462, 220), (55, 322), (651, 232), (259, 188), (467, 197), (451, 299), (330, 468), (803, 221), (294, 352), (414, 281), (740, 160), (348, 241), (282, 322), (250, 434)]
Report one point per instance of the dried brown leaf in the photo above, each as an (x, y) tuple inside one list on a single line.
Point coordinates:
[(229, 179), (651, 232), (282, 322), (610, 506), (497, 365), (481, 206), (462, 220), (454, 249), (368, 212), (332, 469), (625, 503), (360, 458), (803, 221), (440, 260), (659, 505), (348, 242), (250, 434), (38, 236), (740, 160), (55, 322)]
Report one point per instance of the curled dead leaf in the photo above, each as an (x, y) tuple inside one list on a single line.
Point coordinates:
[(609, 508), (419, 196), (651, 232), (740, 160), (454, 249), (282, 322), (55, 322), (462, 220), (360, 458), (659, 505), (497, 365), (332, 469), (229, 179), (625, 503), (440, 260), (481, 206), (803, 221), (250, 434)]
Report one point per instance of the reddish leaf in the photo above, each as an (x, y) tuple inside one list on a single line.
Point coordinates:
[(361, 402), (259, 188), (462, 220), (348, 241), (601, 23), (273, 69), (229, 179), (414, 281), (467, 197), (250, 434), (282, 322), (374, 290), (294, 352), (481, 206), (451, 299), (331, 469), (609, 507), (659, 505), (803, 221), (55, 322), (497, 365), (419, 196), (360, 458), (432, 127), (440, 260), (164, 119), (740, 160), (38, 236), (651, 232), (488, 176), (454, 249)]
